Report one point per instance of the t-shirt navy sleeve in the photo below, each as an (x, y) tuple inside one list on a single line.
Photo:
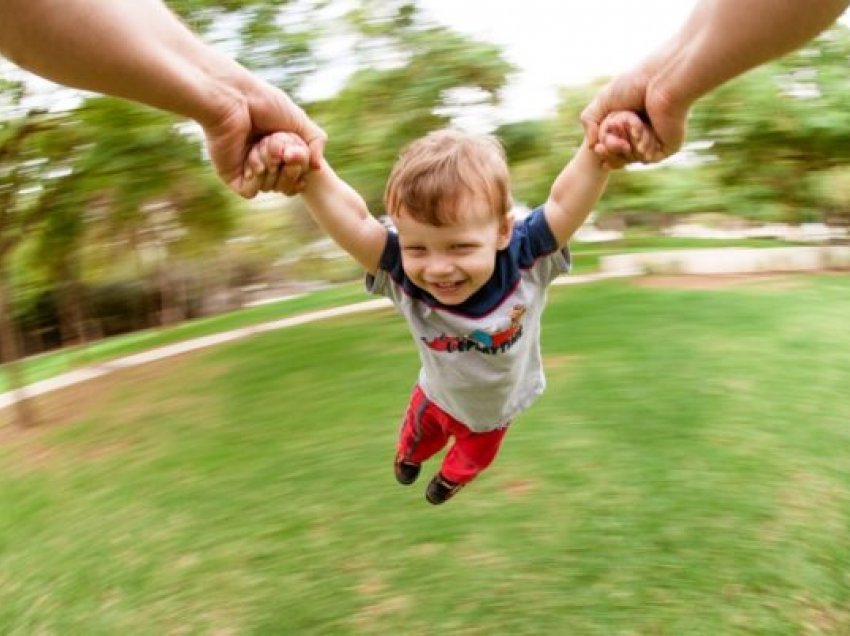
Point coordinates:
[(389, 261), (391, 256), (533, 239), (536, 250), (390, 270)]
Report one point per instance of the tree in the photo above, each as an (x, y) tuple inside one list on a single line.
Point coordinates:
[(147, 193), (775, 127), (410, 72), (274, 38), (22, 169), (538, 150)]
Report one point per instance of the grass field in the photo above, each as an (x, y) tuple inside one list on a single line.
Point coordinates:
[(686, 473)]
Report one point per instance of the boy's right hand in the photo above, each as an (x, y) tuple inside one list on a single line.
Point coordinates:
[(280, 162)]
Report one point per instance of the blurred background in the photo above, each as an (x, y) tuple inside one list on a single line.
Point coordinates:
[(111, 219), (685, 473)]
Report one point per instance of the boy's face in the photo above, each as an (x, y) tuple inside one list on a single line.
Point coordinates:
[(452, 262)]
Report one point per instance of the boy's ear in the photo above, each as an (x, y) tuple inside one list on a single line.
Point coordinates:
[(506, 228)]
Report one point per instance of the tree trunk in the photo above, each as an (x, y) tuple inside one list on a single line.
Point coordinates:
[(170, 311), (25, 414), (69, 309)]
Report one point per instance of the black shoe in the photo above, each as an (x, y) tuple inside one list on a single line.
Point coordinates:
[(441, 489), (406, 472)]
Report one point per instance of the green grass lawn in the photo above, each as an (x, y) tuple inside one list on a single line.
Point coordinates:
[(686, 473)]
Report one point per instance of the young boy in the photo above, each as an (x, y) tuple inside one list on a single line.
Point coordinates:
[(470, 281)]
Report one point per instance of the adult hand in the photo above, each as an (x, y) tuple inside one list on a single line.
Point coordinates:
[(139, 50), (263, 110), (632, 91), (280, 162), (626, 139), (720, 40)]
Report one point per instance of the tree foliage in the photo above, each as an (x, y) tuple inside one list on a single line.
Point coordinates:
[(110, 191), (774, 129), (411, 70)]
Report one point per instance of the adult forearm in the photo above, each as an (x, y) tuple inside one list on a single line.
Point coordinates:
[(135, 49), (724, 38)]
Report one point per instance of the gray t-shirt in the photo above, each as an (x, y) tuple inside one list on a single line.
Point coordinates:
[(481, 360)]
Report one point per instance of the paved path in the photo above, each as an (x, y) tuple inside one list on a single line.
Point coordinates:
[(97, 370)]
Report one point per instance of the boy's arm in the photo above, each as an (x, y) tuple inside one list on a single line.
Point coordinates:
[(280, 162), (579, 186), (574, 193), (342, 213)]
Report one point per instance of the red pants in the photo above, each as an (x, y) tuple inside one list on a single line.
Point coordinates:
[(426, 430)]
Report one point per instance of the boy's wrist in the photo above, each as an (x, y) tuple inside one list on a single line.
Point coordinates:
[(589, 159)]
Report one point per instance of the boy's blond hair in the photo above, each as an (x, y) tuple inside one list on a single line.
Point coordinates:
[(435, 176)]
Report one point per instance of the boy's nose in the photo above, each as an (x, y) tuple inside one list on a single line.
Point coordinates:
[(439, 265)]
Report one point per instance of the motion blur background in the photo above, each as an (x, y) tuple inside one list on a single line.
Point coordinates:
[(685, 473), (112, 220)]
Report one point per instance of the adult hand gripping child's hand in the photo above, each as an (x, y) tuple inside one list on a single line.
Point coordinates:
[(280, 162), (625, 138)]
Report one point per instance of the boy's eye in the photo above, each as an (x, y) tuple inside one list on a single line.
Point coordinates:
[(464, 247), (414, 249)]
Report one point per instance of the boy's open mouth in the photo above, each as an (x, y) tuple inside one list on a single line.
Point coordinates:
[(447, 286)]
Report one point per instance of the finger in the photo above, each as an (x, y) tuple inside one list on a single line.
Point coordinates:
[(642, 141), (616, 144), (317, 150), (636, 129), (292, 172), (295, 161), (253, 164), (632, 133), (297, 155), (591, 117), (269, 177), (274, 150), (252, 177), (271, 157), (601, 150), (290, 187), (315, 138), (648, 147)]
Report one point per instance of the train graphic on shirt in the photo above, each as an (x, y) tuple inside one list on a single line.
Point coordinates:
[(482, 341)]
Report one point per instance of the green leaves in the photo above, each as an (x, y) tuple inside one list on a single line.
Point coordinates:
[(775, 127), (409, 71)]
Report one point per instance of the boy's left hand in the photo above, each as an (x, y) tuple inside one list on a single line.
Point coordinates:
[(279, 162), (624, 138)]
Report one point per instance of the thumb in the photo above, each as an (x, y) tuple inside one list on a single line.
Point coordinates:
[(316, 143), (313, 135), (591, 117)]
